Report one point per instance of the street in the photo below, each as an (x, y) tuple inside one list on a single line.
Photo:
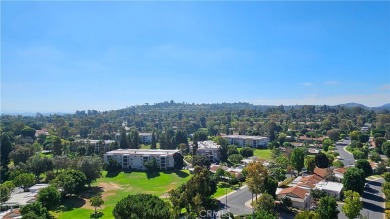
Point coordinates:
[(236, 201)]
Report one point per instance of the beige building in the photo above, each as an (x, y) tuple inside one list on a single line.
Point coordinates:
[(247, 140), (135, 158)]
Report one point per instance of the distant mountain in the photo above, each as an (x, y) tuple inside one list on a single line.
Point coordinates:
[(354, 105), (383, 107)]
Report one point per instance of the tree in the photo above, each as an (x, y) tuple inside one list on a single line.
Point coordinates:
[(20, 154), (178, 162), (322, 161), (359, 154), (235, 158), (246, 152), (50, 197), (386, 148), (326, 143), (327, 208), (282, 161), (365, 166), (353, 205), (91, 166), (70, 181), (223, 150), (287, 201), (195, 194), (310, 164), (96, 202), (255, 178), (333, 134), (38, 165), (307, 215), (113, 166), (24, 180), (123, 143), (354, 180), (28, 132), (232, 149), (262, 214), (386, 176), (35, 210), (201, 161), (6, 148), (134, 139), (298, 159), (154, 142), (151, 165), (57, 147), (270, 186), (141, 206), (4, 193), (200, 136), (266, 202)]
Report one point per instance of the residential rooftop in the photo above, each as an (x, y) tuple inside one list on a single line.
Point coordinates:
[(245, 137), (207, 145), (142, 152)]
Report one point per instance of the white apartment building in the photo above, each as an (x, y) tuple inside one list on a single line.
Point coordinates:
[(135, 158), (247, 140), (145, 138), (99, 144), (210, 150)]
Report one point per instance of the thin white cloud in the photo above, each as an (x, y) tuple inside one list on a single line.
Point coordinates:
[(385, 87), (371, 100), (331, 82), (307, 84)]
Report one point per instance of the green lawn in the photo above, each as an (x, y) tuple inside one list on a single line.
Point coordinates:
[(260, 153), (263, 153), (113, 189), (221, 192)]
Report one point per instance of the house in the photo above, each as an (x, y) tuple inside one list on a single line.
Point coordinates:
[(338, 174), (300, 198), (331, 188), (135, 158), (306, 182), (23, 198), (247, 140), (210, 150), (41, 132)]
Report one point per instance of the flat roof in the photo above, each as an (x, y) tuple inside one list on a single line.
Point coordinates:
[(246, 137), (94, 141), (207, 145), (142, 152), (330, 186)]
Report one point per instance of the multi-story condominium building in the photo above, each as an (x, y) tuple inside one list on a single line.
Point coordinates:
[(210, 150), (135, 158), (247, 140), (99, 144), (145, 138)]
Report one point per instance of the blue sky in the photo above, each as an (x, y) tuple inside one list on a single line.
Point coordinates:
[(64, 56)]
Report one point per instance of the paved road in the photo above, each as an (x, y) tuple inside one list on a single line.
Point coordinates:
[(373, 202), (346, 157), (236, 201)]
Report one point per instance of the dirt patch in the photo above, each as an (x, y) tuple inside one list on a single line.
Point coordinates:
[(106, 189)]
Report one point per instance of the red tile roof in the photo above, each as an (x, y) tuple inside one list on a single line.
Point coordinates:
[(296, 191)]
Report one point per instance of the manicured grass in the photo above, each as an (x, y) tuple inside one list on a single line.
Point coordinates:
[(113, 189), (221, 192), (262, 153)]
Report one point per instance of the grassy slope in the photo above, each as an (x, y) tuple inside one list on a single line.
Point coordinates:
[(261, 153), (122, 185)]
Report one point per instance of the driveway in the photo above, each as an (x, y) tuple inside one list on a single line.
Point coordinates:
[(373, 201), (346, 157)]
